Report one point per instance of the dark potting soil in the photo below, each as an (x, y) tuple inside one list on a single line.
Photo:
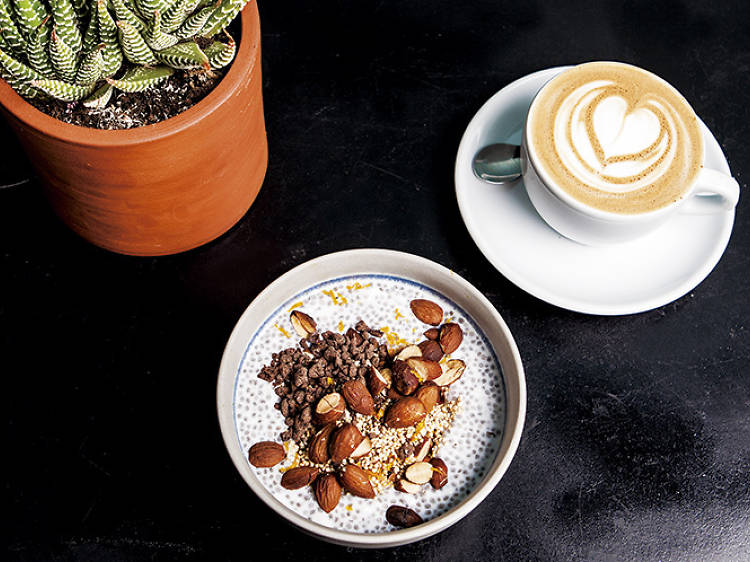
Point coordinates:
[(126, 110)]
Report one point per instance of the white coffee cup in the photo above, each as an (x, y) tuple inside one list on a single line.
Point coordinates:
[(710, 192)]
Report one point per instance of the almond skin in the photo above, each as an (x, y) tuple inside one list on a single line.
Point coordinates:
[(424, 369), (427, 311), (453, 371), (358, 397), (451, 336), (266, 454), (303, 323), (393, 394), (343, 442), (400, 516), (432, 334), (405, 380), (406, 412), (439, 473), (299, 477), (318, 450), (329, 408), (355, 481), (431, 350), (327, 492), (429, 394)]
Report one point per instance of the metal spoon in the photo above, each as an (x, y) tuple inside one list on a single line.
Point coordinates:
[(498, 163)]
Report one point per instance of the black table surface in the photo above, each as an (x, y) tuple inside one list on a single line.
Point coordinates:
[(637, 437)]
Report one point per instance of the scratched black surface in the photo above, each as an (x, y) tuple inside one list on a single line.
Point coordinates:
[(637, 443)]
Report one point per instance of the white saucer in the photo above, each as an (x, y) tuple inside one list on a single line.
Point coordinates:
[(623, 279)]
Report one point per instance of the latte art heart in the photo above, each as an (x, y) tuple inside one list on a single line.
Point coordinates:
[(609, 145), (616, 137)]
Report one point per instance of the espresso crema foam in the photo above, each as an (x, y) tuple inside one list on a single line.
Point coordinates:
[(615, 137)]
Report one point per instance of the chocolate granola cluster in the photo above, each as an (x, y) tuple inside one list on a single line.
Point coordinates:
[(325, 362)]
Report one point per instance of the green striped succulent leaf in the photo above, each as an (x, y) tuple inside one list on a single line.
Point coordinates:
[(141, 78), (92, 65), (222, 16), (112, 53), (36, 51), (18, 69), (29, 14), (184, 56), (63, 58), (156, 38), (91, 36), (66, 23), (82, 9), (221, 54), (100, 98), (194, 23), (134, 46), (62, 90), (124, 13), (68, 49), (20, 86), (177, 14), (9, 30)]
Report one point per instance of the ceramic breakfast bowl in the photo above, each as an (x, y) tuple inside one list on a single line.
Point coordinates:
[(377, 286)]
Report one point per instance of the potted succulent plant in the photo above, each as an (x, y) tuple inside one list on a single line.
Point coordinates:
[(156, 189)]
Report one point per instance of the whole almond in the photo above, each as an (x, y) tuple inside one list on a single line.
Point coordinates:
[(393, 394), (424, 369), (451, 337), (429, 394), (404, 378), (303, 323), (299, 477), (431, 350), (439, 473), (400, 516), (318, 450), (329, 408), (378, 380), (452, 371), (266, 454), (343, 442), (327, 492), (427, 311), (432, 334), (403, 485), (419, 472), (356, 481), (406, 412), (358, 397)]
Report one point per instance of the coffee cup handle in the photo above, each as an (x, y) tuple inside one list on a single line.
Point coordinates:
[(713, 192)]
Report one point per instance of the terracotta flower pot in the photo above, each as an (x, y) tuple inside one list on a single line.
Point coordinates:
[(162, 188)]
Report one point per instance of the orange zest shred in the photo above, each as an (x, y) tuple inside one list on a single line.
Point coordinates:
[(357, 286), (337, 298), (340, 326), (282, 330), (295, 305)]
